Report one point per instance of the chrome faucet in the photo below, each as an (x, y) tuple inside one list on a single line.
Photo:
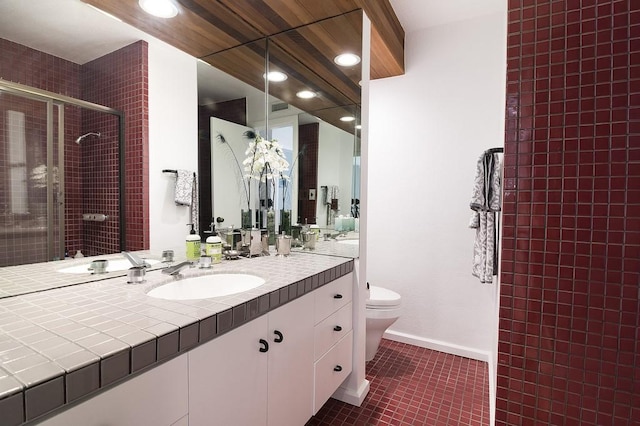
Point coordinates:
[(175, 269), (134, 259)]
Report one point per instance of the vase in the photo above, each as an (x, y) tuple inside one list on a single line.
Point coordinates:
[(246, 219), (285, 221), (271, 226)]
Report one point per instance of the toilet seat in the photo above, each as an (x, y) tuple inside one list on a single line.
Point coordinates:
[(382, 298)]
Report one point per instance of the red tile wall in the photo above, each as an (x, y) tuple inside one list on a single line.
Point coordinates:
[(21, 64), (569, 333), (308, 137), (30, 67), (118, 80)]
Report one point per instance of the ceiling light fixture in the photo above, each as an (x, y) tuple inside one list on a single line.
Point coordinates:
[(306, 94), (159, 8), (276, 76), (347, 118), (358, 126), (347, 59)]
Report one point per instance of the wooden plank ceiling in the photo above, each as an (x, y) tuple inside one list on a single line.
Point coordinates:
[(204, 27), (304, 37)]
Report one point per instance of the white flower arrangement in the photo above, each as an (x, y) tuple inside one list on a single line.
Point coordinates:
[(265, 158)]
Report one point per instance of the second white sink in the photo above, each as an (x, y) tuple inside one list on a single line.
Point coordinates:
[(206, 286)]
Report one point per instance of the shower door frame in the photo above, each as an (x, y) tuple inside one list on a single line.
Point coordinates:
[(55, 99)]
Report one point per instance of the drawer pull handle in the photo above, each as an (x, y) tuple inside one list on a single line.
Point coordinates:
[(337, 368), (279, 337), (265, 345), (337, 296), (337, 328)]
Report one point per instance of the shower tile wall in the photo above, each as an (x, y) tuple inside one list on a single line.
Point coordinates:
[(118, 80), (129, 93), (569, 349)]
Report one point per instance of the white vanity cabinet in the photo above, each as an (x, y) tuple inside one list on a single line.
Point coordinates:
[(236, 380)]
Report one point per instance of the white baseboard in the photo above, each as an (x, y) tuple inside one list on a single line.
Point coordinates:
[(438, 345), (350, 397)]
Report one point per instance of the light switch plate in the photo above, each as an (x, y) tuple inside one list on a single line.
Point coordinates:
[(312, 194)]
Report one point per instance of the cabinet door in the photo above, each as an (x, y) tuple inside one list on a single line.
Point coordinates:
[(156, 397), (291, 363), (228, 378)]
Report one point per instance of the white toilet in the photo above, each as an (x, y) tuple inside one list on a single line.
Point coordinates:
[(383, 309)]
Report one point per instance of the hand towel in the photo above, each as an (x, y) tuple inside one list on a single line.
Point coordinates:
[(184, 188)]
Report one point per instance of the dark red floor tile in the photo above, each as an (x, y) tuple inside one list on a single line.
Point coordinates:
[(412, 386)]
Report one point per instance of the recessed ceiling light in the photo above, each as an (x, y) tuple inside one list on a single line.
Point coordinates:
[(159, 8), (358, 126), (347, 118), (306, 94), (347, 59), (276, 76)]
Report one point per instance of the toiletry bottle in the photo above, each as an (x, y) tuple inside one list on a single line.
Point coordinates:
[(213, 248), (193, 244)]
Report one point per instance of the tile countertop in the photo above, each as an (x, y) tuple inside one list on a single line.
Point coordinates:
[(61, 344)]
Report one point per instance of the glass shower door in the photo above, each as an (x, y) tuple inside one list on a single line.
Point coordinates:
[(31, 179)]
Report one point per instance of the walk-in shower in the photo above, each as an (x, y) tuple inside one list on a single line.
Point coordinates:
[(49, 184)]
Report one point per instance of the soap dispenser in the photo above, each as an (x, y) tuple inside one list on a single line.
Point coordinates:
[(213, 248), (193, 244)]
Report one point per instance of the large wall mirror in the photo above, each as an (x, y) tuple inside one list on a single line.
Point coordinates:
[(231, 81), (311, 107)]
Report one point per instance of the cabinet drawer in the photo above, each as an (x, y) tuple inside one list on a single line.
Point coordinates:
[(331, 370), (332, 296), (330, 330)]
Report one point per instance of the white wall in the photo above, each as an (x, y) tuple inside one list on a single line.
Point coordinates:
[(427, 130), (173, 139)]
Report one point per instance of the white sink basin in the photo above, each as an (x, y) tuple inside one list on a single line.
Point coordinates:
[(206, 286), (114, 265), (350, 242)]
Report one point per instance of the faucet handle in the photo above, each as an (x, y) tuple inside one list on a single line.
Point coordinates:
[(134, 259), (175, 269)]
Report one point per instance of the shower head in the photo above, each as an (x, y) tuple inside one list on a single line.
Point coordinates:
[(87, 134)]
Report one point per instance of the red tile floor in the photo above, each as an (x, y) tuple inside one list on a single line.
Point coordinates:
[(416, 386)]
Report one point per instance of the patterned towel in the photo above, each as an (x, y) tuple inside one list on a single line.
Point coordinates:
[(187, 194), (485, 203), (184, 188)]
